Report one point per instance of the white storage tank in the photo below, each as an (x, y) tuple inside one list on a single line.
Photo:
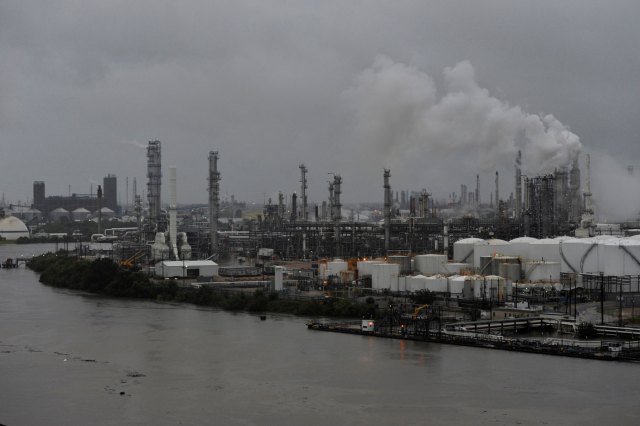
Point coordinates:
[(80, 214), (495, 288), (455, 285), (494, 247), (521, 247), (336, 267), (416, 283), (547, 249), (579, 255), (436, 283), (510, 271), (403, 261), (58, 214), (542, 271), (364, 266), (385, 276), (622, 257), (430, 264), (463, 249), (455, 268)]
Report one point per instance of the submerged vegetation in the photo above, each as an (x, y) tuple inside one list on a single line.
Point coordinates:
[(105, 277)]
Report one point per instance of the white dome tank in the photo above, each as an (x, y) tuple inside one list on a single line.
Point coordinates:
[(579, 255), (492, 248), (455, 268), (622, 257), (463, 249), (430, 264), (546, 249), (521, 247), (436, 283), (416, 283), (455, 285), (385, 276), (365, 266), (542, 271)]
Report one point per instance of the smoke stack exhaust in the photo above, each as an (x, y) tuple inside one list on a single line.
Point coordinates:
[(519, 185)]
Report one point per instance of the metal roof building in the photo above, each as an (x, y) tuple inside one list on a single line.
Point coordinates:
[(186, 268)]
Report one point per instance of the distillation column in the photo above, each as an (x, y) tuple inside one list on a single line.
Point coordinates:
[(214, 199), (519, 185), (154, 182), (337, 215), (173, 226), (387, 210)]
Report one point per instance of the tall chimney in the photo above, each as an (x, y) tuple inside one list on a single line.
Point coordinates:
[(497, 193), (154, 182), (304, 216), (99, 209), (478, 189), (387, 210), (173, 227), (214, 199), (519, 185)]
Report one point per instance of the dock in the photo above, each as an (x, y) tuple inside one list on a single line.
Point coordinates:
[(609, 350)]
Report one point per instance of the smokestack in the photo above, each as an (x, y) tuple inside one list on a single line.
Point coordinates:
[(519, 185), (294, 207), (478, 189), (173, 227), (99, 209), (497, 193), (154, 182), (331, 200), (303, 192), (337, 206), (387, 210), (214, 199)]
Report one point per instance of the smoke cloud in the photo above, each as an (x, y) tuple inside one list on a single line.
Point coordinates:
[(404, 122), (614, 188)]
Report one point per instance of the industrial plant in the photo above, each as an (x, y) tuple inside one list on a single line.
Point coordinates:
[(539, 244)]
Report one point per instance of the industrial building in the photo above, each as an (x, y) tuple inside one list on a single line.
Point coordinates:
[(73, 201)]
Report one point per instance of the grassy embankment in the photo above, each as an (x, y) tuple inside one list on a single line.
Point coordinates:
[(105, 277)]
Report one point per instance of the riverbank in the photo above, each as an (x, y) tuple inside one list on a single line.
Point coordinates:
[(105, 277)]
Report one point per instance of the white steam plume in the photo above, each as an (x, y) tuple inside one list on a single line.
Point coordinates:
[(404, 123)]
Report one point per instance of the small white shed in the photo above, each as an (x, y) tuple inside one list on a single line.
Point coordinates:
[(186, 268)]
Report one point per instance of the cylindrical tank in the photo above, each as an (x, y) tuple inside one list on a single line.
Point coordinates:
[(454, 268), (436, 283), (365, 266), (463, 249), (547, 249), (385, 276), (455, 285), (495, 288), (416, 283), (58, 214), (542, 271), (403, 261), (430, 264), (521, 247), (510, 271), (80, 214), (494, 247), (185, 247), (336, 267), (622, 257)]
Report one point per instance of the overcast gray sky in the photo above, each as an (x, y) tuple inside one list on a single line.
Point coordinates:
[(436, 90)]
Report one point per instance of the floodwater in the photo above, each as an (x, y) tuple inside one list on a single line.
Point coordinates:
[(65, 359)]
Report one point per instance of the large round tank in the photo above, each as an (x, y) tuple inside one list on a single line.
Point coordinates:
[(436, 283), (58, 214), (364, 266), (430, 264), (463, 249), (622, 257), (416, 282), (336, 267), (579, 256), (521, 247), (455, 268), (495, 288), (159, 248), (403, 261), (542, 271), (80, 214), (491, 248), (385, 276), (546, 249), (510, 271), (490, 265), (455, 285)]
